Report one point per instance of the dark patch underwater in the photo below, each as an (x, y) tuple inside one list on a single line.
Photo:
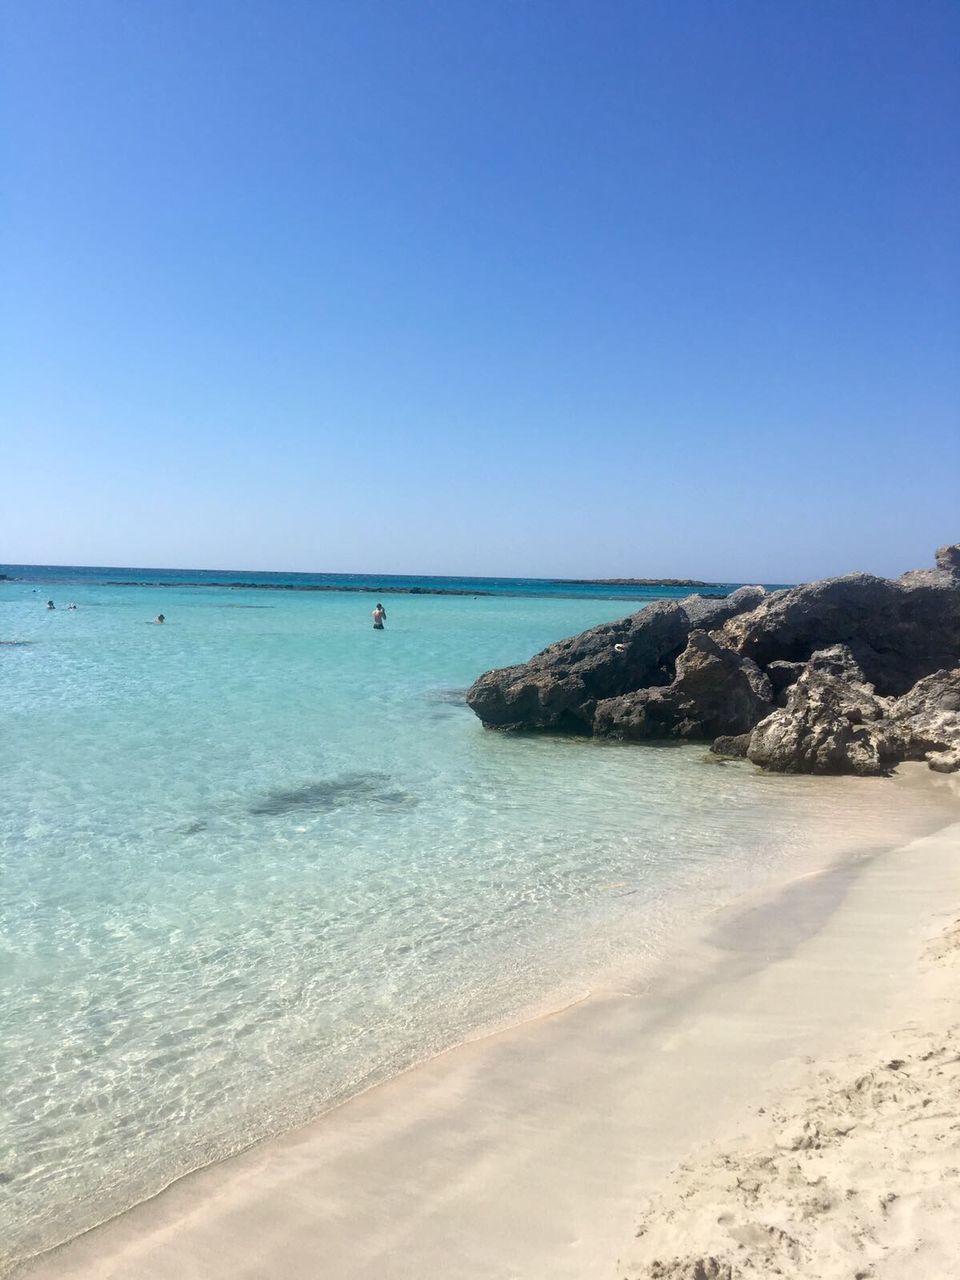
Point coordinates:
[(449, 697), (332, 793)]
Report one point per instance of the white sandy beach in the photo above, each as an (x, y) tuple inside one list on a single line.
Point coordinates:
[(544, 1150), (528, 847), (851, 1172)]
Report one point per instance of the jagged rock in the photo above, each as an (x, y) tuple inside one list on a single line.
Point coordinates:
[(898, 630), (837, 660), (935, 694), (704, 613), (944, 761), (929, 715), (559, 688), (715, 691), (864, 671), (731, 745), (782, 675), (948, 558), (834, 722)]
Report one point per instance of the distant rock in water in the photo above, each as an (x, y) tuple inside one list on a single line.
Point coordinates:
[(633, 582), (338, 587), (848, 675)]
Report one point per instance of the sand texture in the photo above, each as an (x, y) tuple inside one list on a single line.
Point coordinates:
[(853, 1174)]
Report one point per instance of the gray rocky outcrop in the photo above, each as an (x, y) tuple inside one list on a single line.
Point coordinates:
[(833, 722), (897, 629), (928, 717), (782, 675), (714, 691), (848, 675), (559, 688)]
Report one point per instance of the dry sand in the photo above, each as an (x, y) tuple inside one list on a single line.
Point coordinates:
[(540, 1152), (852, 1173)]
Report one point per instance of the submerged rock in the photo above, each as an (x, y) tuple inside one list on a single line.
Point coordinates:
[(848, 675), (331, 793), (734, 745)]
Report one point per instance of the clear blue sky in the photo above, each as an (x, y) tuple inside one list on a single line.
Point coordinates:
[(558, 287)]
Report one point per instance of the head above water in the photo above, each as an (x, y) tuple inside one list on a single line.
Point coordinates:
[(51, 605), (161, 618)]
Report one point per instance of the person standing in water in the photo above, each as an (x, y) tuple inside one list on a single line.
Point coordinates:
[(379, 617)]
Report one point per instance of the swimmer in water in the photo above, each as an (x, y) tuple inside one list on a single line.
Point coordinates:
[(379, 617), (159, 618), (51, 605), (71, 606)]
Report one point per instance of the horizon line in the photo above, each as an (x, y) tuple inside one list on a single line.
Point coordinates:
[(330, 573)]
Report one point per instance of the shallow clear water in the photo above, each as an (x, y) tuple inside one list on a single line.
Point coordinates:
[(262, 856)]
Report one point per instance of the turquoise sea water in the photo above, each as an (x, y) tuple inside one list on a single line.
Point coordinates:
[(261, 857), (73, 577)]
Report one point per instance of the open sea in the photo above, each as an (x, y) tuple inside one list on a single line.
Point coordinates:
[(261, 857)]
